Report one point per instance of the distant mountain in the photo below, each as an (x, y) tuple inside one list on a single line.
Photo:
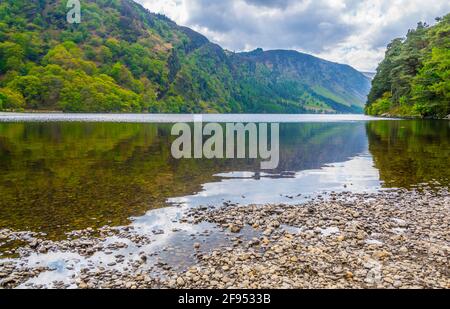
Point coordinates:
[(370, 75), (122, 58), (296, 77)]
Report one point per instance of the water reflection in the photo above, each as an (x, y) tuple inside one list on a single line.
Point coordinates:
[(355, 175), (61, 176), (408, 153)]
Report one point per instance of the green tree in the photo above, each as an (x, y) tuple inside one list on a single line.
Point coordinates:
[(415, 73), (11, 57), (30, 87), (11, 100)]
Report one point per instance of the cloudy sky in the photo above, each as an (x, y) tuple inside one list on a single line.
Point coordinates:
[(355, 32)]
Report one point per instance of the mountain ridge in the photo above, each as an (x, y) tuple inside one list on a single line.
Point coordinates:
[(123, 58)]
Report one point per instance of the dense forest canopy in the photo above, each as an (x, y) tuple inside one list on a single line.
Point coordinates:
[(122, 58), (414, 77)]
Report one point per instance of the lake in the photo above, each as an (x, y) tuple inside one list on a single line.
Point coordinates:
[(61, 172)]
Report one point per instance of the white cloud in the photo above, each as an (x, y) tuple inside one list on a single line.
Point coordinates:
[(355, 32), (175, 9)]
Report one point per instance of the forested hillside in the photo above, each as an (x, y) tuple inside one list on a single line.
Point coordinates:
[(289, 77), (414, 77), (122, 58)]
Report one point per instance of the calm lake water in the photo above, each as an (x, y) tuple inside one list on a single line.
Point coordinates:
[(60, 173)]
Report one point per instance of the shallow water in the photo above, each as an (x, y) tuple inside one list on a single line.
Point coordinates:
[(58, 176), (59, 173)]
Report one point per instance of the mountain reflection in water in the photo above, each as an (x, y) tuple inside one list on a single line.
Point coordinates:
[(57, 177)]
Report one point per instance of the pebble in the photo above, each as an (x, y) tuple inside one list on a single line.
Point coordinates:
[(364, 250), (359, 234), (180, 281), (234, 228)]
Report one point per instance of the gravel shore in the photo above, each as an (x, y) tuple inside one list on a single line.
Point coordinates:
[(389, 239)]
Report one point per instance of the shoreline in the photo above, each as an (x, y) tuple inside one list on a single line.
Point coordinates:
[(403, 117), (393, 239), (56, 112), (389, 239)]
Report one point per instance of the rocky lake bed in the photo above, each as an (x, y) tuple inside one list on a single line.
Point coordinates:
[(394, 238)]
